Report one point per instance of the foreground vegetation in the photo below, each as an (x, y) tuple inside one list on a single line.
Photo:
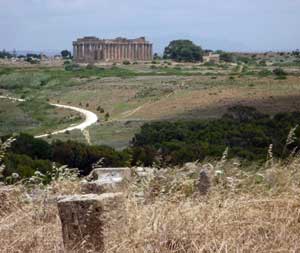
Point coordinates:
[(242, 212)]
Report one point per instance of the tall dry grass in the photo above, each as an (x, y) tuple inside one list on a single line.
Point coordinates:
[(243, 212)]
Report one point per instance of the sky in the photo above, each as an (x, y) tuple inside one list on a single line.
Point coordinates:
[(233, 25)]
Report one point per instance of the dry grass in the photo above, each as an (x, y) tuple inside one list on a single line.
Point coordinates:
[(243, 212)]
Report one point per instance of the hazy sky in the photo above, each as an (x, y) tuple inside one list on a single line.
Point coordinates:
[(243, 25)]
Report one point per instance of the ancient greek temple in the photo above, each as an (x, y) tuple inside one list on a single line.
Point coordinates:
[(92, 49)]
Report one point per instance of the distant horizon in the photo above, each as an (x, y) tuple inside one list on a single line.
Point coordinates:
[(234, 25), (53, 52)]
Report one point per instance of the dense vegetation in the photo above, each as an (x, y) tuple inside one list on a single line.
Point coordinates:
[(183, 51), (246, 132), (28, 155)]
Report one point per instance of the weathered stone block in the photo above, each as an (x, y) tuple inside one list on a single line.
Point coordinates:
[(204, 182), (82, 218), (99, 187), (110, 175)]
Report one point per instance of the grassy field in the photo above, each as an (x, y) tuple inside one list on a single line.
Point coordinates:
[(33, 117), (138, 93)]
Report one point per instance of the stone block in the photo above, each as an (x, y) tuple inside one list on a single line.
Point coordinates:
[(99, 187), (110, 175), (83, 219)]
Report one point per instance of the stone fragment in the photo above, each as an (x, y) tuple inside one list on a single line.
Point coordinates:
[(82, 219), (204, 183), (99, 187), (110, 175)]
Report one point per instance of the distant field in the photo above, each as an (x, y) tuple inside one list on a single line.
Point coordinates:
[(139, 93)]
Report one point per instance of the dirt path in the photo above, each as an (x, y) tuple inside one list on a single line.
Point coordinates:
[(90, 117)]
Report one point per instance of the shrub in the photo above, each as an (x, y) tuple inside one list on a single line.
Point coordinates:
[(106, 116), (72, 67), (126, 62), (279, 72), (90, 66)]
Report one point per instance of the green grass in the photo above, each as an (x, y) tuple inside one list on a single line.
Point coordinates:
[(34, 117)]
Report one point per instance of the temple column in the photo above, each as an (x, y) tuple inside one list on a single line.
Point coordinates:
[(132, 51), (79, 51), (93, 51), (143, 50), (116, 51), (110, 51), (105, 51), (129, 52), (88, 51), (124, 52), (83, 50), (148, 52), (113, 51), (151, 53), (74, 51), (135, 51), (140, 52)]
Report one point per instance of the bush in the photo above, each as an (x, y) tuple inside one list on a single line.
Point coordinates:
[(72, 67), (264, 73), (279, 72), (90, 66), (126, 62)]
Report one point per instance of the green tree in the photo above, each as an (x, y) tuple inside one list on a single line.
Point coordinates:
[(225, 56), (183, 50), (66, 54)]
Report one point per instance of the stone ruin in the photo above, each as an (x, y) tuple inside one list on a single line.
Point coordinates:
[(83, 216), (93, 50), (83, 220)]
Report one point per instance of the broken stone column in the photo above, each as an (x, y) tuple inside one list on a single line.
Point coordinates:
[(204, 183), (82, 219)]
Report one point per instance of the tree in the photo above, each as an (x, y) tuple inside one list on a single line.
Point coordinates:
[(66, 54), (183, 50), (225, 56), (5, 54)]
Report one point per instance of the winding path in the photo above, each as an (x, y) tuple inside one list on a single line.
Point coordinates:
[(90, 117)]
